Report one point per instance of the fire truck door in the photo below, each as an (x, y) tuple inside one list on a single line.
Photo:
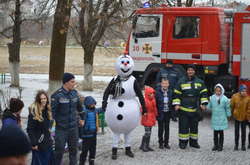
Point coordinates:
[(245, 49), (145, 41)]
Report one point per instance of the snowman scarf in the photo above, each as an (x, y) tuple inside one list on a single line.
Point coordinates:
[(118, 85)]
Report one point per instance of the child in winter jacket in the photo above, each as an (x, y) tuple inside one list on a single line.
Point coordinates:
[(89, 130), (219, 105), (240, 104), (148, 120), (163, 97), (12, 116)]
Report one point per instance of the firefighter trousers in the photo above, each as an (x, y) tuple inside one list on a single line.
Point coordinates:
[(188, 127)]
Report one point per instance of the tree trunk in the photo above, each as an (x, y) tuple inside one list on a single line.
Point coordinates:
[(14, 47), (179, 3), (87, 83), (189, 3), (58, 44)]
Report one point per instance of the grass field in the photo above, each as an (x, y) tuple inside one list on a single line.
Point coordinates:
[(36, 60)]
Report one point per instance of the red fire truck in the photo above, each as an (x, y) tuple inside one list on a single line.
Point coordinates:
[(217, 40)]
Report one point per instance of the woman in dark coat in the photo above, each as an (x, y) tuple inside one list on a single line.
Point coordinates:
[(39, 123)]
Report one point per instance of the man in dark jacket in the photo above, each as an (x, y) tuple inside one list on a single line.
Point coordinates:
[(65, 103), (170, 73), (190, 94), (164, 105)]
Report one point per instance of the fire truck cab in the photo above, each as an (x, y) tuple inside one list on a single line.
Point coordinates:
[(191, 35)]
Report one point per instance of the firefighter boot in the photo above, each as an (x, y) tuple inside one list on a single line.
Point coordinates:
[(194, 143), (128, 152), (147, 142), (92, 162), (183, 144), (143, 146), (114, 153)]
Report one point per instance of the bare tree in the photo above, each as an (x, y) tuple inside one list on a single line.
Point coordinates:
[(14, 46), (13, 31), (58, 43), (94, 18)]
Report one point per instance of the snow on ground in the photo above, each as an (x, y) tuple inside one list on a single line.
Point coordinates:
[(175, 156), (30, 83)]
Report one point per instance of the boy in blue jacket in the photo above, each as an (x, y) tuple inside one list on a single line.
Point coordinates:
[(89, 130)]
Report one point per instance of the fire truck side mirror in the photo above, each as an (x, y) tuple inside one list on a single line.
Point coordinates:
[(134, 22)]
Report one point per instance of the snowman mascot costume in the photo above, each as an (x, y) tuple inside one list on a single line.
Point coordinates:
[(122, 109)]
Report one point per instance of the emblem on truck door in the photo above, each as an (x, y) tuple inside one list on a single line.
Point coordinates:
[(147, 48)]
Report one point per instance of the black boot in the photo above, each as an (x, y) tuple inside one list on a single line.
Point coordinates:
[(243, 147), (166, 145), (143, 146), (161, 146), (236, 147), (183, 144), (194, 143), (114, 153), (92, 162), (248, 147), (215, 148), (82, 160), (221, 142), (147, 144), (128, 152)]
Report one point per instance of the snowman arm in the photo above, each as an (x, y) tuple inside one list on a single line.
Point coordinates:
[(106, 94), (139, 94)]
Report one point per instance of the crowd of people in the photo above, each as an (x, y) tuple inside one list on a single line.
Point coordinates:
[(175, 97)]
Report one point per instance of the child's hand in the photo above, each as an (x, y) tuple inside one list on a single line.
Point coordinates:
[(81, 123), (177, 107), (203, 107)]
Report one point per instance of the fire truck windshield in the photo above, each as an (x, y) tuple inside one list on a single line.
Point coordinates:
[(146, 26)]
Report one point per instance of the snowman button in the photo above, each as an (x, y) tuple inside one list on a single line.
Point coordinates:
[(120, 104), (119, 117), (123, 91)]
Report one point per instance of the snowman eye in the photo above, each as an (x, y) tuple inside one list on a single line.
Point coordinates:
[(122, 62), (128, 62)]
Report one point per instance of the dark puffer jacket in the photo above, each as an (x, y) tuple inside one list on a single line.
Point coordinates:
[(64, 105), (91, 124), (160, 102), (39, 131), (10, 119)]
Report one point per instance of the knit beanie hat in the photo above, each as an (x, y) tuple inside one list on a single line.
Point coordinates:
[(13, 141), (16, 105), (242, 87), (67, 77)]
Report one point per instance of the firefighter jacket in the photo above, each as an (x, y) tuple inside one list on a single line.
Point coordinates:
[(190, 94)]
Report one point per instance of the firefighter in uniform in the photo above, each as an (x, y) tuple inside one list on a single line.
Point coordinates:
[(190, 94)]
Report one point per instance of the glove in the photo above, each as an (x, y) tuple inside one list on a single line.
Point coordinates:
[(144, 111), (104, 106), (174, 116)]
